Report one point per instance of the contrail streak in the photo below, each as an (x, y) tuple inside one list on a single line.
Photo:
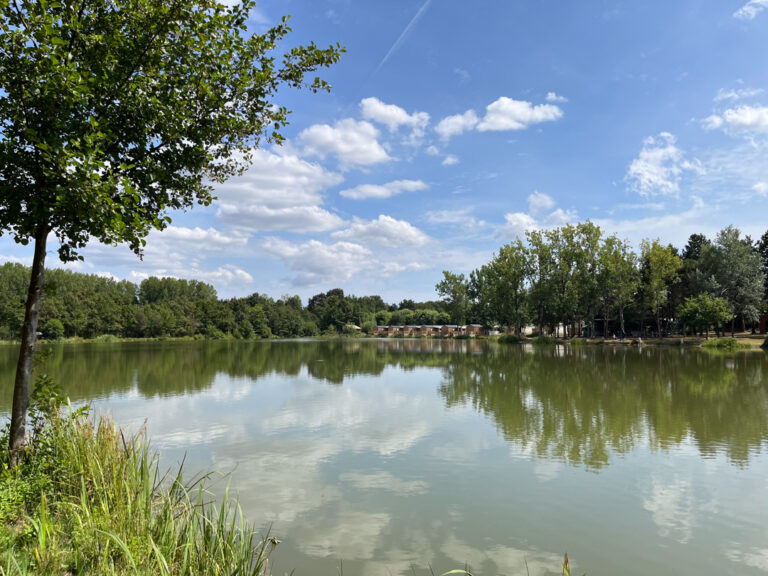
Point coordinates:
[(404, 34)]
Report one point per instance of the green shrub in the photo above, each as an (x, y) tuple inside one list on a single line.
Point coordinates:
[(543, 340), (725, 344), (107, 338), (509, 339), (53, 329)]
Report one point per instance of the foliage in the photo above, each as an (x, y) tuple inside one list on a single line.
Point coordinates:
[(86, 499), (498, 288), (703, 312), (660, 266), (53, 329), (452, 289), (725, 344)]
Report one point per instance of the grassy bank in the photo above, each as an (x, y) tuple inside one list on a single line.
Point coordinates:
[(87, 500)]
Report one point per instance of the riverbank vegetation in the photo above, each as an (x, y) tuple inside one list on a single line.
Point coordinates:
[(573, 277), (86, 499), (574, 280)]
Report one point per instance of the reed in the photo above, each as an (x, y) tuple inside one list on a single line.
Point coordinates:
[(88, 500)]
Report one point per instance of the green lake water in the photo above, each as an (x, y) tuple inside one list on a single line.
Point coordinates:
[(379, 457)]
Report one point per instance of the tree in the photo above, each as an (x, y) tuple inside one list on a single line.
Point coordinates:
[(702, 312), (452, 289), (499, 288), (660, 266), (762, 249), (114, 112), (731, 268), (541, 276), (617, 278)]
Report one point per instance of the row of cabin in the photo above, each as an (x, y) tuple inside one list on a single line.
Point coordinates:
[(442, 331)]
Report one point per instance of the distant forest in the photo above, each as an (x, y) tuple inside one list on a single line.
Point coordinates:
[(87, 306), (572, 276)]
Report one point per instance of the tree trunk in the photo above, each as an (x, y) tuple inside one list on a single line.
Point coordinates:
[(733, 322), (621, 320), (27, 352)]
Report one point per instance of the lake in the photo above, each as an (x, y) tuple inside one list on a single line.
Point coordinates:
[(379, 457)]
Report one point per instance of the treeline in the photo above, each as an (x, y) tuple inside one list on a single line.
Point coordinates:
[(577, 278), (87, 306)]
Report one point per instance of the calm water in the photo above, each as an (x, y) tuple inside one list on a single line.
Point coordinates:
[(392, 454)]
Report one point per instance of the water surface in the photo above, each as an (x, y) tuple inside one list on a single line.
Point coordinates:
[(392, 454)]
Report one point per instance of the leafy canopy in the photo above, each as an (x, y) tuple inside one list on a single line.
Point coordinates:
[(114, 112)]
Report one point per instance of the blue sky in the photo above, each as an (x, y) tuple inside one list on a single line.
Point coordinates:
[(453, 127)]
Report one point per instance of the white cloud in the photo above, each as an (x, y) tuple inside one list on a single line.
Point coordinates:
[(712, 122), (463, 75), (737, 94), (552, 97), (222, 275), (749, 118), (462, 217), (433, 151), (278, 180), (278, 192), (392, 116), (353, 143), (450, 160), (314, 262), (539, 202), (508, 114), (383, 190), (541, 214), (300, 219), (385, 231), (457, 124), (751, 9), (761, 188), (518, 223), (200, 239), (659, 167)]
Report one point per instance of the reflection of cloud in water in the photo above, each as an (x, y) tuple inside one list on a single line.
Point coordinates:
[(372, 418), (672, 508), (506, 559), (384, 481), (546, 470), (283, 481), (350, 535), (754, 557)]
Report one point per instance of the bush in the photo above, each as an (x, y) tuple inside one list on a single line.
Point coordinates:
[(725, 344), (509, 339), (53, 329)]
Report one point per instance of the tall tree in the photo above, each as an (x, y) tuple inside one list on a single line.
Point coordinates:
[(500, 286), (617, 279), (660, 267), (762, 249), (114, 112), (738, 271), (541, 277), (452, 289)]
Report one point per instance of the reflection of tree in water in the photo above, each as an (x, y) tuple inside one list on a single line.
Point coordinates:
[(576, 403), (582, 404)]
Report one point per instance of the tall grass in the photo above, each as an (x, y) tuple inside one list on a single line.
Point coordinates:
[(725, 344), (88, 500)]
